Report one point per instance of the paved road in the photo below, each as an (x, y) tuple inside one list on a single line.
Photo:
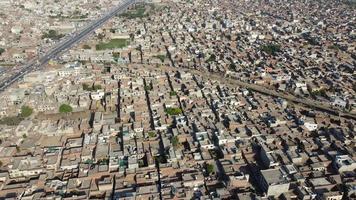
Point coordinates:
[(65, 45)]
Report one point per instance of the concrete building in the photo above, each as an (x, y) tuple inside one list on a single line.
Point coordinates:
[(274, 182)]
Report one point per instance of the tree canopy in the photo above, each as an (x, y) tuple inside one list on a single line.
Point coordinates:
[(64, 108), (173, 111), (26, 111)]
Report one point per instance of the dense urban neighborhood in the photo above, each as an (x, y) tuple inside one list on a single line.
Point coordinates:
[(178, 99)]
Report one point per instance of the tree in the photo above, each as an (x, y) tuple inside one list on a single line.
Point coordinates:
[(101, 36), (64, 108), (103, 161), (212, 58), (232, 66), (89, 161), (116, 55), (2, 51), (152, 134), (148, 87), (210, 168), (172, 93), (175, 141), (86, 87), (160, 159), (173, 111), (52, 34), (271, 49), (26, 111), (160, 57), (97, 87)]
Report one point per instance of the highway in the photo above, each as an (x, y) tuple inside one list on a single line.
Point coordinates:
[(36, 63)]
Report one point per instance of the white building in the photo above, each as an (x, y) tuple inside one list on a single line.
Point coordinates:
[(344, 163), (97, 95)]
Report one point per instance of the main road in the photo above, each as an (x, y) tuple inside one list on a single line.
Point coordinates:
[(65, 44)]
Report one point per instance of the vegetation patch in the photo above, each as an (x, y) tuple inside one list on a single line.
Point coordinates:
[(210, 168), (334, 47), (7, 64), (232, 67), (2, 51), (11, 121), (160, 159), (160, 57), (112, 44), (173, 111), (65, 108), (151, 134), (172, 93), (271, 49), (103, 161), (26, 111), (321, 92), (212, 58), (175, 142), (116, 55), (52, 34), (138, 12), (148, 88)]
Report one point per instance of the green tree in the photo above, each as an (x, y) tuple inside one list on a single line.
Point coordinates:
[(173, 111), (172, 93), (2, 51), (212, 58), (64, 108), (148, 88), (86, 87), (160, 57), (210, 168), (89, 161), (271, 49), (232, 66), (152, 134), (116, 55), (175, 142), (26, 111), (52, 34)]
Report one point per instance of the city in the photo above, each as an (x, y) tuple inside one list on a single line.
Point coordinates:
[(177, 99)]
